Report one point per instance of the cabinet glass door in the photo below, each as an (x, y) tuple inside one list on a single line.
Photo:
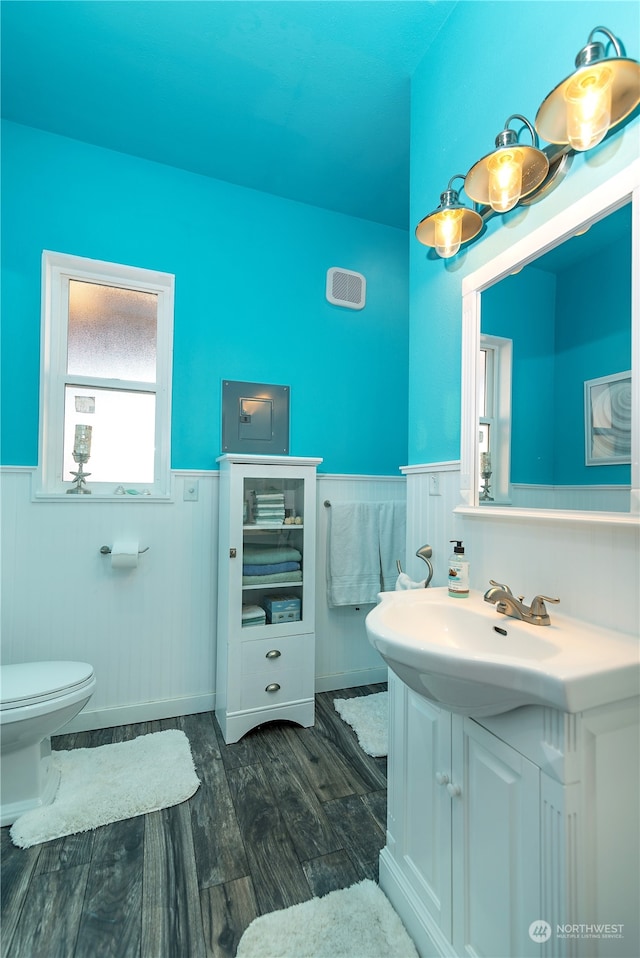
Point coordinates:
[(272, 551)]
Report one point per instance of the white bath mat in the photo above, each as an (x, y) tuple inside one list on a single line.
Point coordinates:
[(368, 716), (356, 922), (106, 784)]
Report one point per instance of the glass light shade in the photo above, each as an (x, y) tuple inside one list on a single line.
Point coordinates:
[(448, 232), (505, 179), (588, 99), (602, 92)]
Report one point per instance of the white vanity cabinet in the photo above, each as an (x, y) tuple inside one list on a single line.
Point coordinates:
[(266, 592), (498, 824)]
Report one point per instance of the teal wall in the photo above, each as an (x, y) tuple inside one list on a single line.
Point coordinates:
[(492, 59), (567, 327), (522, 308), (593, 339), (250, 300)]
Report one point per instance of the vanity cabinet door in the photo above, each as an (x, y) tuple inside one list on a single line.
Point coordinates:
[(427, 831), (462, 860), (495, 845)]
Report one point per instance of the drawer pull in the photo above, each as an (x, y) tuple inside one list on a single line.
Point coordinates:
[(273, 654), (272, 687)]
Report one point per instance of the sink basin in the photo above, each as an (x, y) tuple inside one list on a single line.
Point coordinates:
[(471, 659)]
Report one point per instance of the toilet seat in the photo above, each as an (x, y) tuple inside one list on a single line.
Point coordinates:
[(28, 683)]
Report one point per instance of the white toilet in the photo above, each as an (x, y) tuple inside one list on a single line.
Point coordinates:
[(36, 700)]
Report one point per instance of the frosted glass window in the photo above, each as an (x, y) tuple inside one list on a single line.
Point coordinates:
[(122, 433), (112, 332), (107, 340)]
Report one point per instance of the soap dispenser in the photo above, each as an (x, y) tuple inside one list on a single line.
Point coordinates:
[(458, 572)]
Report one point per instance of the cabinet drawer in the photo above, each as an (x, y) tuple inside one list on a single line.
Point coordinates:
[(296, 651), (295, 684)]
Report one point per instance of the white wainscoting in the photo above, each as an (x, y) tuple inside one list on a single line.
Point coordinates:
[(583, 498), (593, 568), (150, 633)]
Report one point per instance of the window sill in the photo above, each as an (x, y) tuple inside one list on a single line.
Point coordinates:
[(99, 497)]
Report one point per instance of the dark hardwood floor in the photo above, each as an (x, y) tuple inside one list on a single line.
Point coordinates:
[(284, 815)]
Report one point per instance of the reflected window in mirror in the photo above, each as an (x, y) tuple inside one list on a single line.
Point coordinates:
[(494, 421)]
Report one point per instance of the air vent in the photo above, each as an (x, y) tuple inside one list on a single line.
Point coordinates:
[(346, 288)]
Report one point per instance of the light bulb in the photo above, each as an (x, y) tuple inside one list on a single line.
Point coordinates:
[(448, 232), (505, 179), (588, 99)]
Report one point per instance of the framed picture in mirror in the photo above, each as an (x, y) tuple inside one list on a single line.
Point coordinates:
[(607, 412)]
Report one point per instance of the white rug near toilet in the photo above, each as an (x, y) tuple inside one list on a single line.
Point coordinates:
[(368, 716), (356, 922), (106, 784)]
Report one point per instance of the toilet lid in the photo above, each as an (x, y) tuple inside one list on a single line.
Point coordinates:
[(30, 682)]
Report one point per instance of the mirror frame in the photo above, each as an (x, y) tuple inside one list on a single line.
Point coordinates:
[(621, 188)]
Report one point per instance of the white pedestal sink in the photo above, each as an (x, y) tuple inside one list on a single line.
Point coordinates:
[(468, 658)]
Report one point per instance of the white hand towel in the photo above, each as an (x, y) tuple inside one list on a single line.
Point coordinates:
[(393, 534), (404, 582), (353, 554)]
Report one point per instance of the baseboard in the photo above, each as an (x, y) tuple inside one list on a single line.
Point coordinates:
[(351, 680), (88, 720), (404, 900)]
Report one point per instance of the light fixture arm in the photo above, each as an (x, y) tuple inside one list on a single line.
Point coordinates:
[(450, 196), (509, 137), (595, 50)]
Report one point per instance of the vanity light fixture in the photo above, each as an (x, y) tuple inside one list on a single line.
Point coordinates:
[(576, 116), (511, 171), (601, 93), (450, 225)]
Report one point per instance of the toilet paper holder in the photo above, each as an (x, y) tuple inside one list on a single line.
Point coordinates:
[(106, 550)]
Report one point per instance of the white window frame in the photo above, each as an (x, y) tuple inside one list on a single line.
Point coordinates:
[(57, 270), (498, 412)]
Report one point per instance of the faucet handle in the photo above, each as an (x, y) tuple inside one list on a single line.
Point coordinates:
[(499, 585), (538, 604)]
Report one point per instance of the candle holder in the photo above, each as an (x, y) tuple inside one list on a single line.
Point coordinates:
[(81, 454), (485, 472)]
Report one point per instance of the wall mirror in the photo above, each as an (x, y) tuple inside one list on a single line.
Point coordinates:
[(543, 323)]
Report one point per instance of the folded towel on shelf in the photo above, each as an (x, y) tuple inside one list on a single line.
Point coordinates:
[(353, 557), (253, 615), (265, 555), (274, 577), (268, 508), (256, 569)]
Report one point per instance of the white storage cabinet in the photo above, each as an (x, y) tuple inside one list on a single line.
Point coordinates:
[(266, 619)]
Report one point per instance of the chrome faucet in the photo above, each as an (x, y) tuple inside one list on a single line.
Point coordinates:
[(425, 553), (506, 602)]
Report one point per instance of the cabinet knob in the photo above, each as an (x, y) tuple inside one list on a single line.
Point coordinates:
[(454, 790), (272, 687), (233, 553), (273, 654), (442, 778)]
